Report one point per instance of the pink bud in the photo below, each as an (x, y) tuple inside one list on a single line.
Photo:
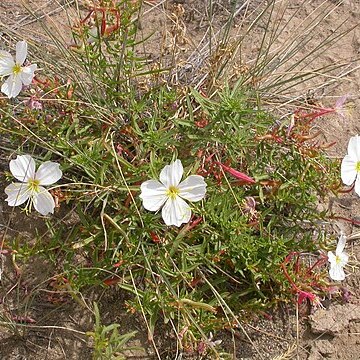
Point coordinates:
[(237, 174)]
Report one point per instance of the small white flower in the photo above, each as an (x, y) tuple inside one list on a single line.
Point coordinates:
[(350, 166), (204, 345), (18, 75), (211, 342), (169, 193), (338, 261), (31, 183)]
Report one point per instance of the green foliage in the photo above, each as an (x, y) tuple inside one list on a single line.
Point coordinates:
[(107, 342), (111, 131), (233, 255)]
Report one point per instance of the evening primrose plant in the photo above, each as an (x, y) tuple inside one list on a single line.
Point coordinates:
[(350, 165), (170, 192), (16, 74), (31, 186), (195, 269), (339, 260), (238, 189)]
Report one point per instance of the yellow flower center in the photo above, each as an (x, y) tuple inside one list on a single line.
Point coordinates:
[(33, 185), (337, 259), (172, 192), (16, 69), (357, 166)]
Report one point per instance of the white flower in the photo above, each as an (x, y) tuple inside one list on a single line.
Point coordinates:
[(169, 193), (18, 75), (211, 342), (338, 261), (30, 188), (350, 166)]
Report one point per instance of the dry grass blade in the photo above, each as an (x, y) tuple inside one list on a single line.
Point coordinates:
[(288, 49), (281, 64), (288, 354)]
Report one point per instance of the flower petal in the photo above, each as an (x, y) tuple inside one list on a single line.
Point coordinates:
[(340, 245), (337, 273), (48, 173), (354, 147), (171, 174), (17, 194), (43, 202), (176, 212), (341, 101), (23, 168), (357, 185), (344, 258), (193, 188), (348, 170), (331, 258), (12, 86), (6, 63), (4, 55), (153, 195), (21, 52), (27, 74)]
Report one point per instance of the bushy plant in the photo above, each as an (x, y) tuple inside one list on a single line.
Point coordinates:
[(117, 124)]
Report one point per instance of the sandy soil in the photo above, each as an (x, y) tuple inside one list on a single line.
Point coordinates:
[(331, 333)]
